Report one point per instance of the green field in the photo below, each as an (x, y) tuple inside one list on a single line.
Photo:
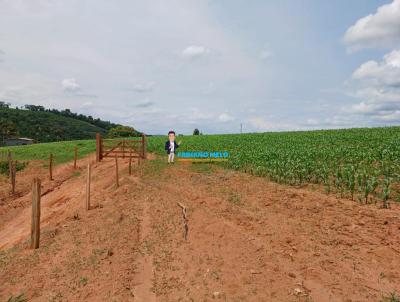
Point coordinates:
[(362, 164), (62, 151), (357, 163)]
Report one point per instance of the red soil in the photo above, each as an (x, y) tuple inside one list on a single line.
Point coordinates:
[(249, 239)]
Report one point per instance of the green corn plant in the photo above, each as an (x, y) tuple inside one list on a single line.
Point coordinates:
[(325, 179), (386, 192), (350, 179), (361, 184), (370, 187), (339, 181)]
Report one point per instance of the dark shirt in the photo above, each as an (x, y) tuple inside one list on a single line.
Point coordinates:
[(168, 146)]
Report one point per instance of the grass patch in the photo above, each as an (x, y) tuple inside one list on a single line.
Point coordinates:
[(4, 167), (154, 167), (62, 151), (19, 298), (6, 256), (83, 281), (392, 297), (234, 199), (201, 168)]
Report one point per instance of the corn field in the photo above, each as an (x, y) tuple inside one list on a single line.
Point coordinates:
[(361, 164)]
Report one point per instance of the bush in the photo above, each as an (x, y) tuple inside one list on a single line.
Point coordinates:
[(4, 169), (123, 131)]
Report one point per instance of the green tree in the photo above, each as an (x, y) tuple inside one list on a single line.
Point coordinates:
[(4, 105), (122, 131), (196, 132), (7, 129), (34, 108)]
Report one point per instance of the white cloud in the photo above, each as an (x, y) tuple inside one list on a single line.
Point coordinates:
[(196, 115), (377, 85), (209, 88), (99, 55), (378, 74), (225, 117), (144, 104), (393, 59), (70, 84), (265, 54), (143, 87), (381, 29), (312, 122), (86, 105), (27, 88), (195, 51), (336, 121), (87, 95), (260, 123), (271, 123)]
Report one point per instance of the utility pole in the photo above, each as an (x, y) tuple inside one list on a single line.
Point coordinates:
[(241, 128)]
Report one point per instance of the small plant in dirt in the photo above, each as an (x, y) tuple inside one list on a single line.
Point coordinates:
[(55, 297), (4, 168), (154, 167), (4, 258), (386, 192), (19, 298), (201, 168), (392, 297), (234, 199), (83, 281)]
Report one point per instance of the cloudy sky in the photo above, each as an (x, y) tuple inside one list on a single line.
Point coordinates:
[(159, 65)]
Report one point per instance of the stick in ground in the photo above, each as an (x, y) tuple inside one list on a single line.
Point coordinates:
[(87, 204), (185, 220), (116, 171), (35, 226)]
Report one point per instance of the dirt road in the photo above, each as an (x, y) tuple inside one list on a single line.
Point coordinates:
[(248, 240)]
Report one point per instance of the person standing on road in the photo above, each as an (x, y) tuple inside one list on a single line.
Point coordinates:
[(171, 146)]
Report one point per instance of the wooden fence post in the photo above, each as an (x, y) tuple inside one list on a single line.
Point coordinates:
[(13, 175), (123, 148), (142, 149), (51, 166), (11, 171), (144, 146), (9, 158), (75, 155), (87, 204), (116, 171), (35, 226), (130, 162), (101, 148), (98, 147)]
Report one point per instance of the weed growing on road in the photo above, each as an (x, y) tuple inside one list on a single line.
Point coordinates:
[(19, 298), (234, 199), (392, 297)]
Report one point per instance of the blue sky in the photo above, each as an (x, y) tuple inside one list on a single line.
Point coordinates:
[(160, 65)]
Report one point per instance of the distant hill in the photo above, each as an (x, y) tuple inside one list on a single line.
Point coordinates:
[(47, 126)]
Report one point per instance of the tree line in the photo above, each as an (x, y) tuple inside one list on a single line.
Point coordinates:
[(67, 113), (47, 125)]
